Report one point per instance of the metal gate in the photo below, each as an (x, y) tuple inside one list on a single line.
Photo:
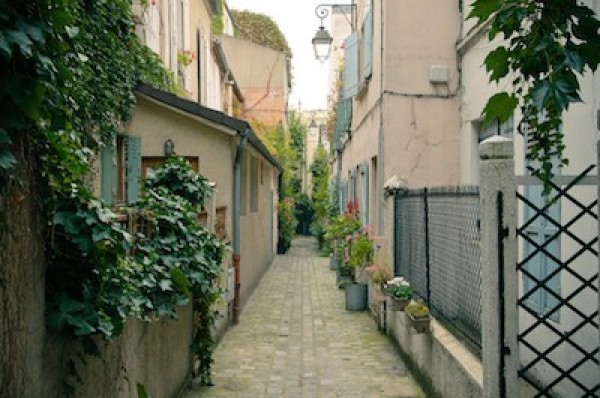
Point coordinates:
[(558, 293)]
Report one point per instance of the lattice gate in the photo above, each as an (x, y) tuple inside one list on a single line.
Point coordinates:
[(558, 287)]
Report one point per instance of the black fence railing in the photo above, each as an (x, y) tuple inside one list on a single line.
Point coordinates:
[(558, 328), (437, 249)]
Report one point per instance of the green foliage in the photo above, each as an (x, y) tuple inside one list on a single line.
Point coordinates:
[(548, 44), (260, 29), (399, 288), (286, 211), (69, 69), (320, 192), (217, 19), (360, 250), (279, 142), (417, 309), (339, 228)]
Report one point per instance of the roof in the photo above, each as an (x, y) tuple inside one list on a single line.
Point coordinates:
[(194, 109)]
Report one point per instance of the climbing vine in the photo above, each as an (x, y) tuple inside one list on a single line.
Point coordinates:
[(68, 69), (547, 44)]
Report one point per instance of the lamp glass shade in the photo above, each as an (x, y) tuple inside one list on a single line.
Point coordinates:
[(322, 44)]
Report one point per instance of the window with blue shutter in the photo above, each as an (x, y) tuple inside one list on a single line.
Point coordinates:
[(134, 168), (351, 75), (108, 172), (368, 44)]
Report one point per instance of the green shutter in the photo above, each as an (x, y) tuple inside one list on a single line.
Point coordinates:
[(368, 43), (134, 168), (351, 66), (109, 172)]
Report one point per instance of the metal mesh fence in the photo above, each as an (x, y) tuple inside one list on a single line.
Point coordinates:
[(437, 249)]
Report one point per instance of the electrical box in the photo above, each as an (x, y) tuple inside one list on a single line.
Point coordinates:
[(438, 74)]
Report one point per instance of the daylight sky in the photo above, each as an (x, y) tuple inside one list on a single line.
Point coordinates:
[(298, 22)]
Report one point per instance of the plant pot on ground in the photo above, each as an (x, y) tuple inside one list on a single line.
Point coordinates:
[(356, 295)]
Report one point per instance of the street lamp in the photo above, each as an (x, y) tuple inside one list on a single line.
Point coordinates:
[(322, 40)]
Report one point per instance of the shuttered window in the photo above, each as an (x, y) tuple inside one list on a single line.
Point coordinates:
[(108, 172), (134, 168), (351, 70)]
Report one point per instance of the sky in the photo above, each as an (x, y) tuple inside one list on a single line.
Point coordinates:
[(298, 22)]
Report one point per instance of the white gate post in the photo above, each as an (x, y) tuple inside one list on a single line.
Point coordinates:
[(498, 268)]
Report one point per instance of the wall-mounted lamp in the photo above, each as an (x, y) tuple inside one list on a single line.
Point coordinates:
[(169, 147), (323, 40)]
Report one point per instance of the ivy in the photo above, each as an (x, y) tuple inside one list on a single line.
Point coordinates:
[(547, 45), (68, 73)]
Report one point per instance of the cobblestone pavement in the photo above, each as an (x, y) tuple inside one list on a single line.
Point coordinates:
[(295, 339)]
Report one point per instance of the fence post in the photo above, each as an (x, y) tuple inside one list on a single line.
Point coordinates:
[(498, 268), (427, 256)]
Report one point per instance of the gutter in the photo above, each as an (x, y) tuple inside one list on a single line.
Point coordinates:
[(237, 207)]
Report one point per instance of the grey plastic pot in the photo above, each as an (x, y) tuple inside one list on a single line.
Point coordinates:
[(356, 297)]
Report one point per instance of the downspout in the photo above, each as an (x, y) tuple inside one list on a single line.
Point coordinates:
[(381, 147), (237, 209)]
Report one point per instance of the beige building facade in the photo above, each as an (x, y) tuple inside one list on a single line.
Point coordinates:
[(401, 76)]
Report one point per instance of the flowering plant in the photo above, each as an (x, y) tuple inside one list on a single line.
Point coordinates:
[(399, 288), (185, 57), (379, 273), (360, 249), (417, 309)]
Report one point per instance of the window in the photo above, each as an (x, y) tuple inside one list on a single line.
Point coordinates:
[(120, 170), (504, 129), (199, 64), (543, 232), (254, 184)]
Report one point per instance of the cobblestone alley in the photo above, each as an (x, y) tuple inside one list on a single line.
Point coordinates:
[(295, 339)]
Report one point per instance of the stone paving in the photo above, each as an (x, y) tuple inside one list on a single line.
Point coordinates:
[(295, 339)]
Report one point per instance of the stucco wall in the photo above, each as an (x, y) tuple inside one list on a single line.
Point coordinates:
[(157, 355), (257, 228)]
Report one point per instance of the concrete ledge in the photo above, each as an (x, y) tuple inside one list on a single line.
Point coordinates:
[(441, 360)]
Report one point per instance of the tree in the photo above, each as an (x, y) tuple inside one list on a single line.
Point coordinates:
[(547, 44), (260, 29)]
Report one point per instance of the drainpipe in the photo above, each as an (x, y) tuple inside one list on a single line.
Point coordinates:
[(237, 208)]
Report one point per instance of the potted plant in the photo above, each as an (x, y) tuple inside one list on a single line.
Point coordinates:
[(359, 253), (336, 231), (418, 316), (378, 275), (400, 292)]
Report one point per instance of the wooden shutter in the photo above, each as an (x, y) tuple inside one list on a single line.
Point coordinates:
[(109, 172), (134, 168), (368, 43), (351, 66)]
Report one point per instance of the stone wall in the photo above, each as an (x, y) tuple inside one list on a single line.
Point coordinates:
[(438, 358)]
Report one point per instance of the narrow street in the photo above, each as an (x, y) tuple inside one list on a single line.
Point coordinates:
[(295, 339)]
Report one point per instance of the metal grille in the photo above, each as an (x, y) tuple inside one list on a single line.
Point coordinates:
[(437, 249), (558, 326)]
